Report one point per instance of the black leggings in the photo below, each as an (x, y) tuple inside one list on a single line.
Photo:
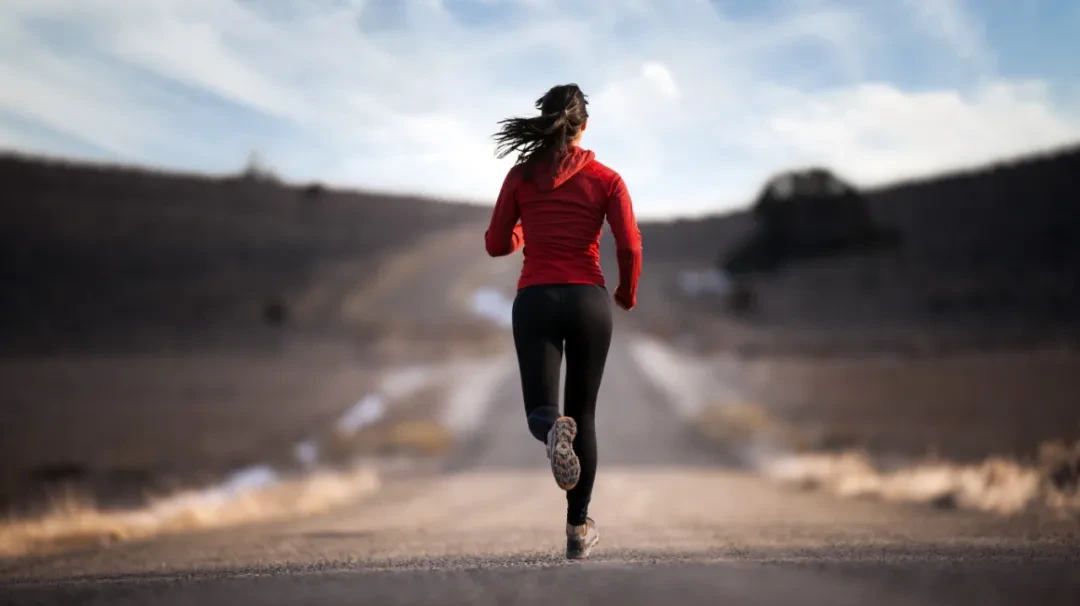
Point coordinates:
[(547, 319)]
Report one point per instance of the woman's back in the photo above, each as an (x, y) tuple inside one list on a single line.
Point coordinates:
[(562, 206)]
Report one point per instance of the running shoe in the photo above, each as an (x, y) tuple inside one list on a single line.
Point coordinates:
[(565, 465), (580, 540)]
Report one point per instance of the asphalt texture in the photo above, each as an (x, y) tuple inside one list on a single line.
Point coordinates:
[(679, 525)]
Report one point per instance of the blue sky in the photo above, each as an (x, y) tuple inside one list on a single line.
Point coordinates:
[(695, 102)]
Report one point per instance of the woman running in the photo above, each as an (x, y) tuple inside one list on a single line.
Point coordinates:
[(561, 196)]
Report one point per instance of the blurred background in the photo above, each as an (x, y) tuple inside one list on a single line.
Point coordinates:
[(242, 243)]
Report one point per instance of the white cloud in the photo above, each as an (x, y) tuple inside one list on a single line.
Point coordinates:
[(694, 106), (875, 132), (660, 76)]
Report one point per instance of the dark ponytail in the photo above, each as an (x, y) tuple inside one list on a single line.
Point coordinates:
[(562, 115)]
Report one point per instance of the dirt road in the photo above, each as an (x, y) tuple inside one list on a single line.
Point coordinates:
[(678, 526)]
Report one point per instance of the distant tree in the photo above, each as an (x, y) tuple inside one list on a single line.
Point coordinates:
[(804, 215), (257, 170)]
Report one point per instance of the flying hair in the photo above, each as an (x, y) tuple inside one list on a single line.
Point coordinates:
[(563, 113)]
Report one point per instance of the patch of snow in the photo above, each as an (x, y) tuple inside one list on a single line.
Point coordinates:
[(402, 382), (369, 409), (689, 384), (695, 282), (307, 453), (240, 482), (249, 478), (491, 304), (395, 384), (472, 390)]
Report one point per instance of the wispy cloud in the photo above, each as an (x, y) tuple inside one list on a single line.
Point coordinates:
[(694, 104), (951, 22)]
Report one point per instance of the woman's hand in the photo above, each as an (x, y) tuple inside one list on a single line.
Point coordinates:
[(624, 299)]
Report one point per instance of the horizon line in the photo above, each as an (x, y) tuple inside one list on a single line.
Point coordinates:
[(73, 161)]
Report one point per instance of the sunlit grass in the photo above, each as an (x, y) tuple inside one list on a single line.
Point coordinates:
[(72, 521)]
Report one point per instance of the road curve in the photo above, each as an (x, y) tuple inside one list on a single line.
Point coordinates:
[(679, 525)]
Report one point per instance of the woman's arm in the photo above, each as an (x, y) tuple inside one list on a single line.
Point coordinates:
[(504, 234), (620, 215)]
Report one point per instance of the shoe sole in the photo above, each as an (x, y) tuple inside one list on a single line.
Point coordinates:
[(574, 554), (565, 465)]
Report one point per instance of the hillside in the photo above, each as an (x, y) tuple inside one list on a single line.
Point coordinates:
[(105, 258)]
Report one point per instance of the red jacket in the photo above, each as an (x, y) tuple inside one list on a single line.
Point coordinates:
[(561, 208)]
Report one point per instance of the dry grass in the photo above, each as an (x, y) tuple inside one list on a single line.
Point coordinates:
[(997, 485), (74, 522), (740, 426), (394, 436), (793, 455), (423, 437), (743, 427)]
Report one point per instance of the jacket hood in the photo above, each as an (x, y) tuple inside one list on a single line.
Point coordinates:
[(550, 175)]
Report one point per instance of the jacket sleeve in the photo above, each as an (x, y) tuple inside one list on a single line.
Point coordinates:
[(620, 215), (504, 234)]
